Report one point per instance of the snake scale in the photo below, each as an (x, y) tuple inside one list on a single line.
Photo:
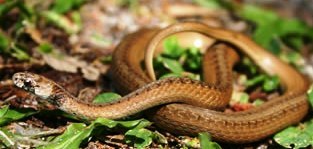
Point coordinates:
[(182, 105)]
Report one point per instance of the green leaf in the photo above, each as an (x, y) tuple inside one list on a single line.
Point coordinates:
[(45, 48), (292, 57), (71, 138), (6, 6), (274, 46), (206, 143), (271, 83), (208, 3), (19, 53), (244, 98), (61, 6), (169, 75), (172, 48), (60, 21), (78, 132), (270, 26), (255, 80), (4, 43), (193, 59), (258, 102), (8, 115), (250, 65), (140, 137), (141, 123), (7, 138), (296, 137), (106, 98), (173, 65)]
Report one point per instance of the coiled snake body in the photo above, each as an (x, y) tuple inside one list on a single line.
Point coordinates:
[(187, 105)]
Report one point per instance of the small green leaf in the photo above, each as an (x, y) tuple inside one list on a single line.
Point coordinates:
[(7, 138), (8, 115), (292, 57), (61, 6), (271, 83), (255, 80), (60, 21), (140, 137), (4, 43), (258, 102), (100, 40), (169, 75), (172, 65), (106, 59), (141, 123), (6, 6), (45, 48), (206, 143), (208, 3), (106, 98), (193, 59), (19, 53), (250, 65), (244, 98)]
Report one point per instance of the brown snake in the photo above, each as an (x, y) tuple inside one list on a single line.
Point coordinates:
[(187, 105)]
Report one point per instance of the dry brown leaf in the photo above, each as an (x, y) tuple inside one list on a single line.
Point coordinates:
[(62, 62)]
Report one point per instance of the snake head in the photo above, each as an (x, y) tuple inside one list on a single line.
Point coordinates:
[(32, 83)]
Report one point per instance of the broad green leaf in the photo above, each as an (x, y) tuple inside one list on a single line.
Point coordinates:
[(274, 46), (292, 137), (296, 137), (173, 65), (8, 115), (206, 143), (78, 132), (106, 98), (140, 137), (270, 26), (61, 6), (71, 138)]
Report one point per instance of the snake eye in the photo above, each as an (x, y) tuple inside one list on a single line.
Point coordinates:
[(27, 83)]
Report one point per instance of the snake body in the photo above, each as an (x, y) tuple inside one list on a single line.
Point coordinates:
[(187, 106)]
